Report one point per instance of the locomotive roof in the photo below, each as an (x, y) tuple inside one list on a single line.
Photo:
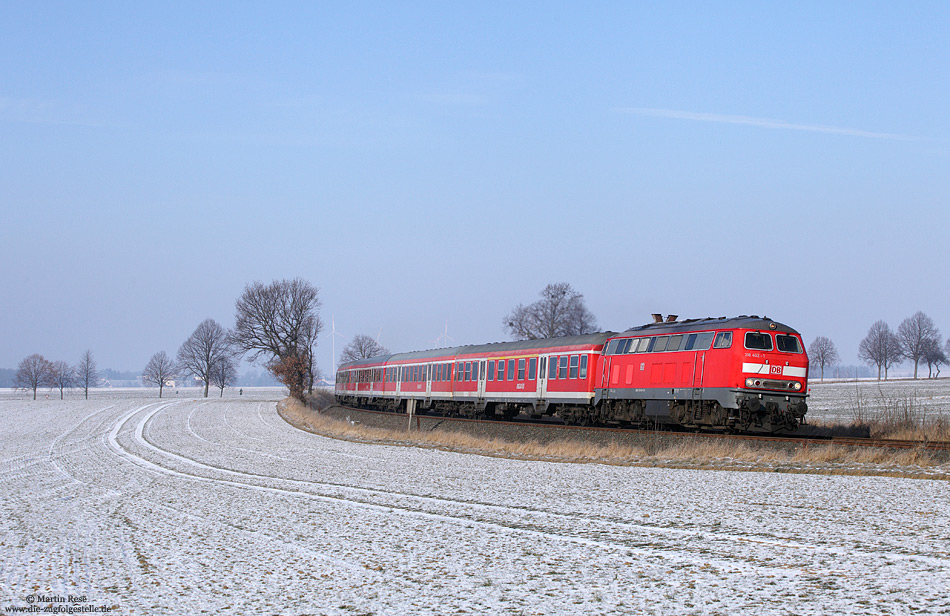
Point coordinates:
[(740, 322)]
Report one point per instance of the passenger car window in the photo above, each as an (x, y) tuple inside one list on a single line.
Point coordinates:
[(491, 370), (521, 369), (574, 364), (758, 341), (583, 366), (562, 367), (787, 344), (723, 340), (532, 368), (511, 369)]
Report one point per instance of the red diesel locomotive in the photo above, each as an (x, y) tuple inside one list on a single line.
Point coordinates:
[(742, 374)]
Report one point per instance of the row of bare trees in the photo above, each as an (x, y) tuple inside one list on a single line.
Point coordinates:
[(35, 371), (917, 340), (209, 354), (277, 322)]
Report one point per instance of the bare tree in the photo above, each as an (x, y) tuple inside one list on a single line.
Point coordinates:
[(87, 374), (822, 352), (34, 372), (915, 334), (280, 321), (935, 357), (159, 371), (209, 344), (881, 348), (559, 312), (362, 347), (223, 373), (63, 376)]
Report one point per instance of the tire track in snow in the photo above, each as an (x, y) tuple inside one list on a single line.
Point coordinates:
[(348, 495)]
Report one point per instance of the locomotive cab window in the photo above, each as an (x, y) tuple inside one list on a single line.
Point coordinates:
[(758, 341), (675, 342), (699, 342), (723, 340), (787, 344), (660, 344)]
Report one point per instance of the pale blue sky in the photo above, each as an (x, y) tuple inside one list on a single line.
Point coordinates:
[(431, 162)]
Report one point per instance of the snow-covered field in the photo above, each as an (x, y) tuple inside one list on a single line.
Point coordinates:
[(179, 506), (843, 401)]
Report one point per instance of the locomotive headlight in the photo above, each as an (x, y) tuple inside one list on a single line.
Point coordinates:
[(750, 383), (796, 386)]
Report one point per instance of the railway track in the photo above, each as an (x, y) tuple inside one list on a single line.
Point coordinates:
[(789, 439)]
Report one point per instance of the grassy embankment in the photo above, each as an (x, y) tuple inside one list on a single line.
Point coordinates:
[(690, 453)]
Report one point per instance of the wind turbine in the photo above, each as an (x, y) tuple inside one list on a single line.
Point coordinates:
[(444, 336), (333, 334)]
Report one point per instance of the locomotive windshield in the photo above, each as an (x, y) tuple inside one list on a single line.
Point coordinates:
[(758, 341), (788, 344)]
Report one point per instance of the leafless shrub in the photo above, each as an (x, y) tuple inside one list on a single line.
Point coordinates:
[(902, 417), (320, 399)]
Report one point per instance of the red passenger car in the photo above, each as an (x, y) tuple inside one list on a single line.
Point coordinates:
[(739, 374)]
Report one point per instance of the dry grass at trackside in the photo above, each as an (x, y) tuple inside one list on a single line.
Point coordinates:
[(899, 417), (687, 453)]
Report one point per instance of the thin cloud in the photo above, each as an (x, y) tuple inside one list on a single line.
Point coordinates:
[(720, 118)]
